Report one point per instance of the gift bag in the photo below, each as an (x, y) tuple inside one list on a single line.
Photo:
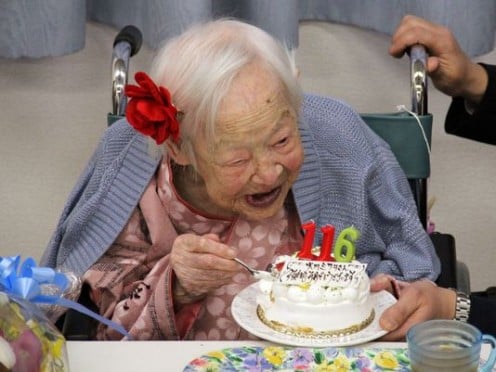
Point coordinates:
[(32, 299), (29, 342)]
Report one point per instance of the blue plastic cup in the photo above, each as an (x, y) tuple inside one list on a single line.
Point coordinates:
[(448, 345)]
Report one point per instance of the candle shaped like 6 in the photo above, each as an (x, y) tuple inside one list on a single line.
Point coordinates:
[(326, 245), (346, 242), (306, 250)]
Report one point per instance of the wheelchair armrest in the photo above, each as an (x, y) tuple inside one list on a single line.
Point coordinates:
[(76, 326), (446, 251), (462, 277)]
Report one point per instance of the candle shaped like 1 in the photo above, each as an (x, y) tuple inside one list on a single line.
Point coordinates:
[(346, 242), (306, 250), (326, 245)]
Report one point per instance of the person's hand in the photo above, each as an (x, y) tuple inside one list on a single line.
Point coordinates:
[(419, 301), (450, 69), (201, 264)]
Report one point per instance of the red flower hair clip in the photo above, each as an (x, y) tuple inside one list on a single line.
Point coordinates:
[(150, 110)]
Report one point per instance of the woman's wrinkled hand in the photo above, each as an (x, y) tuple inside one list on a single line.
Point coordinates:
[(201, 265)]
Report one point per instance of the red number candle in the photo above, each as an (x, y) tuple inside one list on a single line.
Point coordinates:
[(326, 245), (306, 250)]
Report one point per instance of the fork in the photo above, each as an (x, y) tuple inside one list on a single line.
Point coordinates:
[(257, 274)]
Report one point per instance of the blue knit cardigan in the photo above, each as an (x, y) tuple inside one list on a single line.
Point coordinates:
[(349, 177)]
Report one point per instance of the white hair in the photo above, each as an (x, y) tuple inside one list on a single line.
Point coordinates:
[(199, 65)]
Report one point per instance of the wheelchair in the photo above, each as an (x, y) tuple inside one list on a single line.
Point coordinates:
[(407, 133)]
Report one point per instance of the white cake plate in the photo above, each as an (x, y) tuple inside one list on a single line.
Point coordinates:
[(244, 311)]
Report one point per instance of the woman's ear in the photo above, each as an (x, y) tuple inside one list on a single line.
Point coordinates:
[(176, 152)]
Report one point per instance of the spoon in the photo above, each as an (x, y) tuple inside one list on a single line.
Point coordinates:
[(257, 274)]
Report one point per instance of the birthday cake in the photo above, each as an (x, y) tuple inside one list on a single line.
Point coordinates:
[(317, 294)]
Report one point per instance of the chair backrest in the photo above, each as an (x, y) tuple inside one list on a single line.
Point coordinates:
[(408, 133), (405, 137), (112, 118), (410, 141)]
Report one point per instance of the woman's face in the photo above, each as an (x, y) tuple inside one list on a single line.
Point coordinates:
[(256, 154)]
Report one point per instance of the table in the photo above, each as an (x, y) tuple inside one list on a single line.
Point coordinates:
[(151, 356)]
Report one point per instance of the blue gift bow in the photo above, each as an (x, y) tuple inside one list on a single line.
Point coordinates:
[(25, 282)]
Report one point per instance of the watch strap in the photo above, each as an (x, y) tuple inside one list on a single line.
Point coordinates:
[(462, 309)]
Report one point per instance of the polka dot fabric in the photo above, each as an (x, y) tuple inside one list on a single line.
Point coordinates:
[(256, 241)]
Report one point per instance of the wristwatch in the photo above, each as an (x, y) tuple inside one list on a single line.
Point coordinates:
[(462, 309)]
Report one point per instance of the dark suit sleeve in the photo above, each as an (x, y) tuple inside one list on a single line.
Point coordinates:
[(481, 125), (483, 313)]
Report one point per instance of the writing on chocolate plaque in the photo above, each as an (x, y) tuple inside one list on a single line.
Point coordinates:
[(336, 274)]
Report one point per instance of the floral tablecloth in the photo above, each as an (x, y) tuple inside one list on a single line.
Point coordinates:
[(281, 358)]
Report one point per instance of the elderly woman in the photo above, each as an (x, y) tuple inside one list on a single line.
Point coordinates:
[(244, 159)]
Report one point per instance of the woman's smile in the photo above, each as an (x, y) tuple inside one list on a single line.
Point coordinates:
[(263, 200)]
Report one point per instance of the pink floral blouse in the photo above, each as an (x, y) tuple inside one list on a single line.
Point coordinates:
[(132, 283)]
